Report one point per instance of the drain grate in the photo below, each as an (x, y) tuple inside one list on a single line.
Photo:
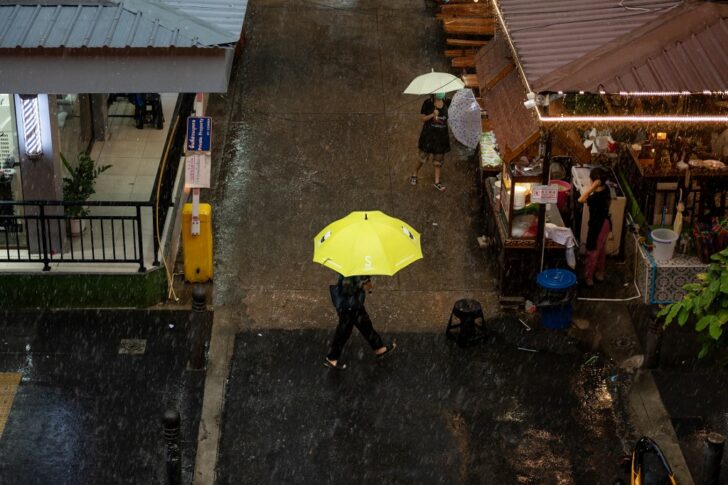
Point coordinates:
[(132, 346), (8, 386), (624, 343)]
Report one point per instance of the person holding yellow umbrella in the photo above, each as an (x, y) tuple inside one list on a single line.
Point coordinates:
[(352, 313), (358, 246)]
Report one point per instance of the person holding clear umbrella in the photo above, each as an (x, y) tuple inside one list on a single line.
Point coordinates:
[(434, 140)]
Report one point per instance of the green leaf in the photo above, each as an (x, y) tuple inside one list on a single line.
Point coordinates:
[(693, 287), (716, 257), (683, 317), (715, 330), (674, 308), (704, 351), (708, 295), (723, 316), (724, 282), (704, 322)]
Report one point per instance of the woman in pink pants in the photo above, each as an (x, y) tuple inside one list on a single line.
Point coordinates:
[(597, 197)]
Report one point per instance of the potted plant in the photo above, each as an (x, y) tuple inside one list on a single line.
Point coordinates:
[(78, 186)]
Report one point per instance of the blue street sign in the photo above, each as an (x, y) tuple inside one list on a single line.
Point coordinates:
[(198, 133)]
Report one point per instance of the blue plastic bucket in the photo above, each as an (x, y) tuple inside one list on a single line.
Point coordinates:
[(555, 287)]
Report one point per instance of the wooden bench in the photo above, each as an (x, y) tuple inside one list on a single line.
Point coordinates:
[(469, 26), (460, 52), (470, 80), (463, 62), (465, 10), (476, 43)]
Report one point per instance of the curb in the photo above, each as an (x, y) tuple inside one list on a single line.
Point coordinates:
[(222, 341), (652, 419)]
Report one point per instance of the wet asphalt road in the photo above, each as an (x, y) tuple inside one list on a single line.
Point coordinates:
[(431, 413), (85, 414)]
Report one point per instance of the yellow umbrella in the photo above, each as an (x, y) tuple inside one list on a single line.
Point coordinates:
[(367, 243)]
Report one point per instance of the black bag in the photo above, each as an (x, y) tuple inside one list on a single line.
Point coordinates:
[(337, 297)]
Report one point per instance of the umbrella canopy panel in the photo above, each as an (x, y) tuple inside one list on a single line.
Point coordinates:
[(367, 243), (434, 82)]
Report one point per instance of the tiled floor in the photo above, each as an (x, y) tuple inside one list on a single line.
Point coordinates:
[(132, 153)]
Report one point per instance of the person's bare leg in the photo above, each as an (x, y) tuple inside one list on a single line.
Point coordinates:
[(438, 169), (417, 168)]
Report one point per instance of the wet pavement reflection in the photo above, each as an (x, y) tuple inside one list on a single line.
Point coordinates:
[(431, 413), (85, 413)]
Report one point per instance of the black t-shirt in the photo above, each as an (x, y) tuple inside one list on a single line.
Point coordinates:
[(434, 137), (598, 203)]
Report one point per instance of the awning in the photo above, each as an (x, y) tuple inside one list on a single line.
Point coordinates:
[(117, 46), (516, 127)]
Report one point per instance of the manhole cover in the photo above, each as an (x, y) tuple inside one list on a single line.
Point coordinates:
[(623, 343), (133, 346)]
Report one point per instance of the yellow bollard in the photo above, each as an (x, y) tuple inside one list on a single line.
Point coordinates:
[(197, 250)]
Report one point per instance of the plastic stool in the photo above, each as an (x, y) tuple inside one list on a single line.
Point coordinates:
[(468, 312)]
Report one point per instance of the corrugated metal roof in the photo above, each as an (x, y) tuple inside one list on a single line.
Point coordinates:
[(226, 14), (129, 23), (551, 34), (684, 50), (697, 63)]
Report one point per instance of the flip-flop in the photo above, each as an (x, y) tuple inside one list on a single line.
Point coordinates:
[(390, 348), (336, 366)]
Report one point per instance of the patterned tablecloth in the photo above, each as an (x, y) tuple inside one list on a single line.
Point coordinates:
[(662, 281)]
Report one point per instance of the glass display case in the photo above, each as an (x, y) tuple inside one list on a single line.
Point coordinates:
[(521, 216)]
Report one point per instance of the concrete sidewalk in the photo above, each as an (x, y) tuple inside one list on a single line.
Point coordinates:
[(614, 330)]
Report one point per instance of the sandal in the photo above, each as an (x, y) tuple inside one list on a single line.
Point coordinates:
[(331, 365), (413, 179), (390, 349), (439, 186)]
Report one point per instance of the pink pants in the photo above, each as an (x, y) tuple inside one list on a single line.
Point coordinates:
[(596, 260)]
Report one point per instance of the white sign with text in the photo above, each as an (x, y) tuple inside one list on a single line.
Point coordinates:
[(544, 194), (197, 171)]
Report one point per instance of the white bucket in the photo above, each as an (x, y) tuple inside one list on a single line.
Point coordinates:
[(519, 200), (664, 240)]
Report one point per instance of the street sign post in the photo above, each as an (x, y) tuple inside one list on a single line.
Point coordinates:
[(197, 170), (197, 162), (199, 132)]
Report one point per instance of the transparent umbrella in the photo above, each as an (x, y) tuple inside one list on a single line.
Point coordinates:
[(464, 118)]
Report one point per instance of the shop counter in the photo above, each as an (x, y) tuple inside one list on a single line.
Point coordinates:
[(516, 259)]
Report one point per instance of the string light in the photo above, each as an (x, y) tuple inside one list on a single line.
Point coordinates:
[(633, 119)]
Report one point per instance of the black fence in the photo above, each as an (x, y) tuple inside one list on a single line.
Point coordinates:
[(45, 233), (111, 232)]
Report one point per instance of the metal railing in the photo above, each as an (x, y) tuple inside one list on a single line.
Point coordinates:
[(41, 231), (44, 233)]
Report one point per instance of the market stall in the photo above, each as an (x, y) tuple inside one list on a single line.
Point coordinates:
[(654, 119)]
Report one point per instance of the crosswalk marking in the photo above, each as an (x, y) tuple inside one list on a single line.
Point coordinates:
[(9, 382)]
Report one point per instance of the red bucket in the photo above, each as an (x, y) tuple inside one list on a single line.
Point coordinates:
[(564, 191)]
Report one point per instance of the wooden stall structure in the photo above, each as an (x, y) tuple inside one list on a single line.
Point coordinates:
[(645, 99)]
